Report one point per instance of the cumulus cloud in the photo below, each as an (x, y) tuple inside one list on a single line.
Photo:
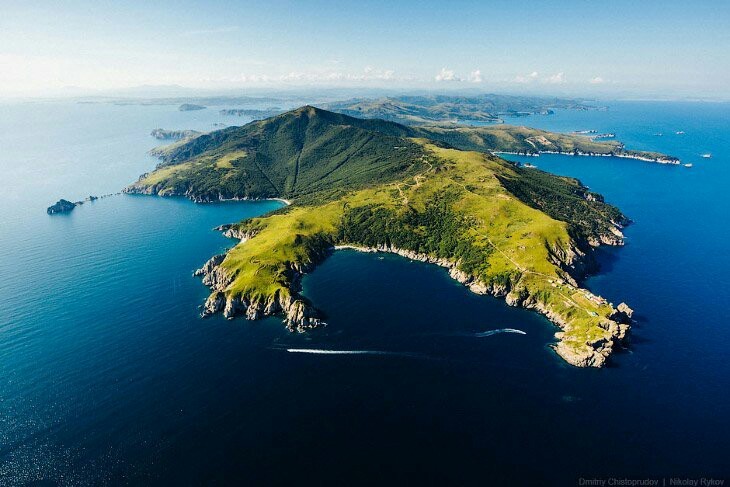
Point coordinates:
[(528, 78), (475, 76), (556, 79), (596, 81), (446, 75)]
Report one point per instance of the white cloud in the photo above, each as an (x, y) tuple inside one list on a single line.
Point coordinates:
[(596, 81), (529, 78), (475, 76), (446, 75), (556, 79), (256, 78)]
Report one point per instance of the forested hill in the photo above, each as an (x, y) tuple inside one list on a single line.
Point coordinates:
[(301, 152)]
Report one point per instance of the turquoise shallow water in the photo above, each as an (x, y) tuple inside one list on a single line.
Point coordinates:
[(108, 375)]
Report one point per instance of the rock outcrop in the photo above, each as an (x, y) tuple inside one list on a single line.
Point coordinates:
[(299, 315), (62, 206)]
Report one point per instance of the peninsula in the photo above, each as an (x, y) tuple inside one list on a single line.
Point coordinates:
[(521, 234), (512, 139)]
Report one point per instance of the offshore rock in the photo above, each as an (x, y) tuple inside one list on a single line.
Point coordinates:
[(62, 206)]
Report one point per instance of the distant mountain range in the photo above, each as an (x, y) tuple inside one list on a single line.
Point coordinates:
[(449, 108)]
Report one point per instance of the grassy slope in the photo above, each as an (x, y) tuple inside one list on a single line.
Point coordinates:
[(510, 138), (518, 241), (363, 182)]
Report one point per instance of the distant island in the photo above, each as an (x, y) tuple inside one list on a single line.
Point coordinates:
[(443, 108), (374, 185), (163, 134), (189, 107), (253, 113)]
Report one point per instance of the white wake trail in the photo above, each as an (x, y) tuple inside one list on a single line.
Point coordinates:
[(335, 352), (501, 330), (318, 351)]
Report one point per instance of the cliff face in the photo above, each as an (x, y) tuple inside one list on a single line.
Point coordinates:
[(191, 193)]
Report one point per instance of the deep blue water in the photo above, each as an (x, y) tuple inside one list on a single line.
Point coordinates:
[(107, 375)]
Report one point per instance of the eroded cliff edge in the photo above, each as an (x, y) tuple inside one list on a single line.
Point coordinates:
[(300, 315)]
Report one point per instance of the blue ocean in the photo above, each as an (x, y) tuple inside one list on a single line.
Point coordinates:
[(109, 376)]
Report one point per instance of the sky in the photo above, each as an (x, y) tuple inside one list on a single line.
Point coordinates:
[(613, 47)]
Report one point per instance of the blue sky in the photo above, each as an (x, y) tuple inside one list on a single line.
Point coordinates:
[(588, 47)]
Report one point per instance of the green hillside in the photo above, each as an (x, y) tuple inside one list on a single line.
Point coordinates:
[(502, 230)]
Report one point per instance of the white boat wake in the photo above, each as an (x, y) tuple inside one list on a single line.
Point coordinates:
[(335, 352), (501, 330), (318, 351)]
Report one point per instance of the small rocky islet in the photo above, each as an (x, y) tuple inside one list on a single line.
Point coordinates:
[(66, 206), (190, 107), (61, 206)]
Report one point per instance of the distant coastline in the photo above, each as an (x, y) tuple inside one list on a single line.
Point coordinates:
[(672, 161)]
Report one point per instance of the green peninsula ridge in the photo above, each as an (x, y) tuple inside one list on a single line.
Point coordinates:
[(374, 185)]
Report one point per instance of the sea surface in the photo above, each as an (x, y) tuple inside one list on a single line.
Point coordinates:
[(109, 376)]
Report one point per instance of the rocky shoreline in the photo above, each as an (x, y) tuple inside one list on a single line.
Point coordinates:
[(300, 316), (591, 355), (207, 198), (657, 160)]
